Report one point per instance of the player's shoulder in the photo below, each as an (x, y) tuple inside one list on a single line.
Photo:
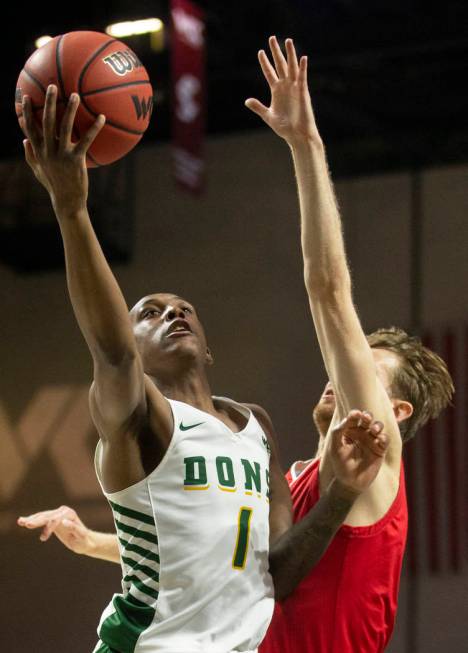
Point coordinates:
[(262, 416)]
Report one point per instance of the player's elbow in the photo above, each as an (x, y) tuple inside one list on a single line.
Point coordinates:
[(326, 285)]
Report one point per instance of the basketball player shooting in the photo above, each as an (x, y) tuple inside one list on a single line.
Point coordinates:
[(201, 508)]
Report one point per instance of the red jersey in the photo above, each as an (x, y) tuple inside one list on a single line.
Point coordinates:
[(348, 602)]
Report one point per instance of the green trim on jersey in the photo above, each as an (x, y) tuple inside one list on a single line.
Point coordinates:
[(136, 532), (134, 548), (140, 585), (137, 566), (133, 514), (122, 628)]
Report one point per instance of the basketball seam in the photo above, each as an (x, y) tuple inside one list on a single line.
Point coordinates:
[(114, 124), (111, 88), (90, 61), (58, 63), (85, 105), (36, 81)]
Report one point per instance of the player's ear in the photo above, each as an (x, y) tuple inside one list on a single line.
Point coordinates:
[(402, 409), (209, 357)]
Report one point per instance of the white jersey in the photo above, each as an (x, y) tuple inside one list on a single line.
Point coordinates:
[(193, 539)]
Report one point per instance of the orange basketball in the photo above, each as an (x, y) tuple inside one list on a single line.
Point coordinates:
[(109, 78)]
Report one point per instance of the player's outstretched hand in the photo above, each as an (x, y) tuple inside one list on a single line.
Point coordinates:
[(290, 113), (57, 162), (64, 523), (358, 447)]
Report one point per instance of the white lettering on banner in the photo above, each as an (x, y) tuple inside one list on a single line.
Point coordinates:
[(186, 89), (189, 27)]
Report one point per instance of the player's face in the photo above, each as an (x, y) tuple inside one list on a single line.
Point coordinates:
[(324, 409), (386, 363), (167, 330)]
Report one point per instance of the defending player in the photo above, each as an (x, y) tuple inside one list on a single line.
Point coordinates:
[(199, 501), (348, 601)]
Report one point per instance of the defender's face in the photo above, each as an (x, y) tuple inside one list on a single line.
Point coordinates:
[(386, 363), (167, 326), (324, 409)]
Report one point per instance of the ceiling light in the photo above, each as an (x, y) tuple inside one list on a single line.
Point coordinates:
[(42, 40), (132, 27)]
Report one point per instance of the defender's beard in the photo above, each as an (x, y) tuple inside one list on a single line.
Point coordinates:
[(322, 414)]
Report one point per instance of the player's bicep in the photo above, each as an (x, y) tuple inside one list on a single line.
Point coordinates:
[(116, 392)]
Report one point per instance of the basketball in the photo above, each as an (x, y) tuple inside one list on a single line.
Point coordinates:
[(109, 78)]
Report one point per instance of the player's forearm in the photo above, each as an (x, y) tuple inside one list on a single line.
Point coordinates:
[(325, 268), (103, 546), (98, 303), (298, 550)]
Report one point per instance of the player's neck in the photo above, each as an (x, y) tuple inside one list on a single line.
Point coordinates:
[(191, 387)]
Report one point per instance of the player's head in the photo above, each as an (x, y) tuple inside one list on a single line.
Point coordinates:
[(169, 335), (419, 377), (416, 379)]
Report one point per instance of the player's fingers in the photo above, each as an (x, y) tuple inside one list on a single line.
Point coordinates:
[(376, 427), (66, 127), (257, 107), (293, 66), (22, 125), (366, 419), (49, 118), (278, 57), (267, 68), (88, 138), (34, 521), (30, 127), (379, 445), (38, 519), (29, 154), (353, 419), (49, 528), (302, 78)]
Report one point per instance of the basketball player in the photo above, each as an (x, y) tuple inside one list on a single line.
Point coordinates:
[(200, 505), (348, 601)]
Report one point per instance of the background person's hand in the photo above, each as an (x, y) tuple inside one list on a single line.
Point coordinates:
[(65, 524)]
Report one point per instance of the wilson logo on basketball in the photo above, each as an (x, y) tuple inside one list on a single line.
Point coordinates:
[(143, 106), (122, 62)]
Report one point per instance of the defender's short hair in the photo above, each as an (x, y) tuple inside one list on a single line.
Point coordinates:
[(422, 378)]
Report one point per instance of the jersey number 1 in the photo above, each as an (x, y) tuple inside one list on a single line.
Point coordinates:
[(243, 534)]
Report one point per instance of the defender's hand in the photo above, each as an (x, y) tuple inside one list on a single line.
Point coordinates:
[(65, 524), (358, 447), (290, 113), (58, 163)]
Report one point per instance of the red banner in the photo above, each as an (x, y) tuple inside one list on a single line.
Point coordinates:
[(436, 464), (188, 93)]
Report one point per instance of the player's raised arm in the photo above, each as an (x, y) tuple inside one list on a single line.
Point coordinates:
[(101, 311), (347, 355)]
